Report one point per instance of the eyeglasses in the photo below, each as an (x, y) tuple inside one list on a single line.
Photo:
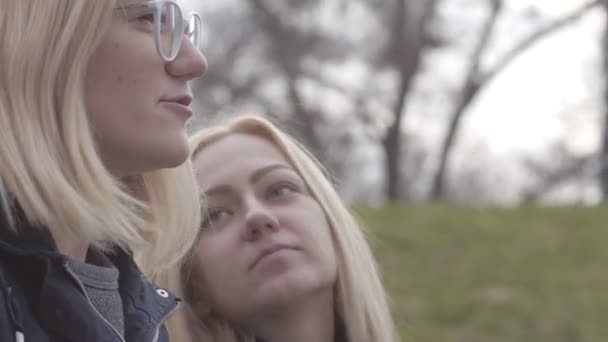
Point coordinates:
[(169, 25)]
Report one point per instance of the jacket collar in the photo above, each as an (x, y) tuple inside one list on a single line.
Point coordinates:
[(56, 298), (144, 304), (25, 238)]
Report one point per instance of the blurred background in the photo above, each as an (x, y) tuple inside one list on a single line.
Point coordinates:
[(470, 136)]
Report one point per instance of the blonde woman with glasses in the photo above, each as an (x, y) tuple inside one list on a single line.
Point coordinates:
[(94, 99), (279, 257)]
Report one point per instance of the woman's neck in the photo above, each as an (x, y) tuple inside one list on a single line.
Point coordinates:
[(311, 319), (69, 245)]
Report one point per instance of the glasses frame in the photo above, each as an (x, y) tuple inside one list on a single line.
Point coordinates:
[(191, 27)]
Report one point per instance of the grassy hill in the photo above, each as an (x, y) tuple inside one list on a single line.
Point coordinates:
[(468, 275)]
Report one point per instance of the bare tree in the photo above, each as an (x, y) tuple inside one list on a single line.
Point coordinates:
[(283, 43), (230, 81), (477, 78), (560, 168), (268, 46), (408, 39), (287, 47), (277, 42), (604, 152)]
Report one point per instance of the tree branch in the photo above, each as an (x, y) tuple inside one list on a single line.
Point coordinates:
[(470, 89), (536, 36), (476, 79), (486, 33)]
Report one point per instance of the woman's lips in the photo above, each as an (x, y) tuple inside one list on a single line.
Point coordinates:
[(268, 252), (180, 108)]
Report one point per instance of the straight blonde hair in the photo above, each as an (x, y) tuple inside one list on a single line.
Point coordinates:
[(49, 165), (361, 299)]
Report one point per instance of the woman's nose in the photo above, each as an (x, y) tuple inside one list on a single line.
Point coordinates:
[(259, 220), (190, 62)]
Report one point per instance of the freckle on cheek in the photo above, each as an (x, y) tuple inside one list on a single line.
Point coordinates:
[(116, 45)]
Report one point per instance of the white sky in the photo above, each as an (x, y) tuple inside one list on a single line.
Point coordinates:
[(551, 93), (540, 86), (522, 109)]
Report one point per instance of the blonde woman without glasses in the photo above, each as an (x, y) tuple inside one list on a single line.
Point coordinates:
[(94, 99), (279, 257)]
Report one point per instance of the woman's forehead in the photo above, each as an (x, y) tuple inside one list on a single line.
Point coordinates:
[(131, 2), (243, 146)]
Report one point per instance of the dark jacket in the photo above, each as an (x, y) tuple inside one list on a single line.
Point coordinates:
[(41, 301)]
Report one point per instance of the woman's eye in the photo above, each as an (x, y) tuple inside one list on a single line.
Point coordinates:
[(146, 18), (281, 190), (212, 217)]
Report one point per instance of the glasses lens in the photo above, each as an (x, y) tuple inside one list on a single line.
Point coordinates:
[(193, 31), (170, 22)]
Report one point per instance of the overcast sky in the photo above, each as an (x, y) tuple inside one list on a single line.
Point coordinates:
[(553, 79), (550, 93)]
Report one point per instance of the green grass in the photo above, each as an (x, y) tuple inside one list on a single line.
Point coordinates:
[(497, 275)]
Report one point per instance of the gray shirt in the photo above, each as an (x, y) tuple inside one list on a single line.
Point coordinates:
[(100, 279)]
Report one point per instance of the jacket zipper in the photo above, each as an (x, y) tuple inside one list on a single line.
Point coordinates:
[(83, 290), (163, 320), (12, 311)]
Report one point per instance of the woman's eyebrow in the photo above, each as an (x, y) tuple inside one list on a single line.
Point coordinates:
[(221, 189), (259, 173), (225, 189)]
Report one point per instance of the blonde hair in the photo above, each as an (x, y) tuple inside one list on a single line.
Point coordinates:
[(49, 165), (361, 299)]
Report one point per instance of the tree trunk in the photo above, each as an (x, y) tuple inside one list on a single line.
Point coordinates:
[(305, 120), (408, 42), (449, 141), (477, 78), (604, 151), (471, 86)]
